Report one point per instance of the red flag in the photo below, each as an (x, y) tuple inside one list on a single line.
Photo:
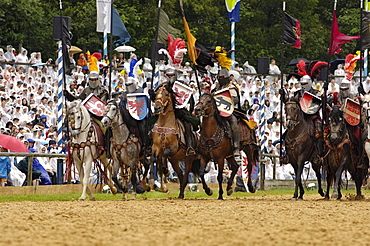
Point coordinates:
[(337, 38)]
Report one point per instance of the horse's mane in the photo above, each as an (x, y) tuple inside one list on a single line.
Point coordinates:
[(221, 121), (336, 114)]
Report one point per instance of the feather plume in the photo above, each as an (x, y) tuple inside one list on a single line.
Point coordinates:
[(302, 68), (316, 69), (350, 65), (176, 50), (222, 57)]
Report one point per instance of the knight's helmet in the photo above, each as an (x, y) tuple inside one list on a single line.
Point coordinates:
[(344, 88), (131, 84), (225, 63), (170, 74), (306, 82), (94, 79), (313, 72)]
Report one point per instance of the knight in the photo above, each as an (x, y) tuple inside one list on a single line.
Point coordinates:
[(223, 83)]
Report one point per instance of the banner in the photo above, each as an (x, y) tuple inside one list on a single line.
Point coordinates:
[(365, 30), (233, 10), (292, 31)]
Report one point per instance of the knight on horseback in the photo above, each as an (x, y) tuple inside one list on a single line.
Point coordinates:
[(223, 83)]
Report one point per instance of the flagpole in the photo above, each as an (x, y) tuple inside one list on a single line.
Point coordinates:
[(233, 43), (282, 94), (155, 42), (110, 50), (366, 52), (362, 65)]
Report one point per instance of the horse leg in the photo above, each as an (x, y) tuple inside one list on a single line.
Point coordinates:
[(133, 166), (80, 170), (109, 172), (359, 176), (86, 177), (328, 183), (234, 169), (115, 174), (317, 169), (221, 163), (251, 163), (203, 163), (177, 169), (337, 180), (298, 169), (146, 171)]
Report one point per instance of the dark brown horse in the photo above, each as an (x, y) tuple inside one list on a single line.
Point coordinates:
[(340, 155), (167, 135), (216, 144), (300, 145)]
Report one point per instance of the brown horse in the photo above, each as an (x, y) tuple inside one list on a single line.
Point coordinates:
[(167, 135), (340, 155), (300, 145), (215, 144)]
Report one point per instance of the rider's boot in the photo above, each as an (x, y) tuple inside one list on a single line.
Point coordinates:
[(236, 136), (189, 139), (142, 127)]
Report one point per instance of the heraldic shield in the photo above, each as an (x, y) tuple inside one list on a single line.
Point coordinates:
[(183, 94), (351, 112), (94, 105), (224, 102), (310, 103), (137, 105)]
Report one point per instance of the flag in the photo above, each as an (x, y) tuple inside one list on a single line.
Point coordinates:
[(337, 39), (165, 28), (292, 31), (233, 10), (198, 52), (118, 29), (365, 30)]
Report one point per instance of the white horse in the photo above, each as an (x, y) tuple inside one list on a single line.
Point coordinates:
[(125, 147), (85, 146)]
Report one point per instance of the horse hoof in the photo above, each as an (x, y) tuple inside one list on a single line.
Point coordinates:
[(81, 199), (147, 188), (294, 199), (220, 198), (180, 197), (133, 197), (321, 193), (334, 195), (229, 192), (359, 197), (209, 192), (92, 199), (114, 190)]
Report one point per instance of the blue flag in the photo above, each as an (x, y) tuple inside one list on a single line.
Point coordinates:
[(119, 29), (233, 10)]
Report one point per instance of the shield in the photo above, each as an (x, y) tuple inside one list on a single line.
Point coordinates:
[(183, 94), (352, 112), (224, 102), (137, 105), (310, 103), (94, 105)]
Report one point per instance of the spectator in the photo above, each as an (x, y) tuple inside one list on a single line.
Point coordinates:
[(5, 167)]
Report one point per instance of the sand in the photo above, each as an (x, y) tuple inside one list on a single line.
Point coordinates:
[(261, 220)]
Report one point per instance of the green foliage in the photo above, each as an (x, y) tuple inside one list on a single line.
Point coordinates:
[(30, 23)]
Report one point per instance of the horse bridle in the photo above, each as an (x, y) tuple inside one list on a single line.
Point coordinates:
[(107, 108), (204, 109), (73, 121), (159, 99), (290, 117)]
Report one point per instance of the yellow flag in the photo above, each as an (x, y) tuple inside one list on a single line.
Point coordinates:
[(191, 43)]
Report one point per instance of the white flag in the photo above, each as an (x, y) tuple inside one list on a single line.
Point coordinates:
[(103, 10)]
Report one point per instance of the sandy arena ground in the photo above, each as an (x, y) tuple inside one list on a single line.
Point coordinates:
[(263, 220)]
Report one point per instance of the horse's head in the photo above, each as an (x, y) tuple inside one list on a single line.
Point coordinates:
[(366, 106), (293, 112), (205, 106), (336, 123), (163, 100), (111, 111), (75, 117)]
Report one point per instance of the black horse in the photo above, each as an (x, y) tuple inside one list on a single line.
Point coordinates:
[(300, 144)]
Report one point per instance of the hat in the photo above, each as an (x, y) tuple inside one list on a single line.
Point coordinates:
[(30, 140), (32, 150)]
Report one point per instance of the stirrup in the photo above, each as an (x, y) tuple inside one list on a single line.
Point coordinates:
[(190, 151), (236, 152), (361, 166)]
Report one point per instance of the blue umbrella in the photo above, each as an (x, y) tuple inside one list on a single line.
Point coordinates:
[(38, 64), (334, 64)]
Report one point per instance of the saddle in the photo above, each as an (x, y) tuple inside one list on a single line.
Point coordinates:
[(247, 133), (99, 133)]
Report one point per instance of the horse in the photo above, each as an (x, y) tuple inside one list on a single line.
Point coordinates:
[(300, 145), (125, 148), (86, 146), (339, 155), (168, 139), (216, 144)]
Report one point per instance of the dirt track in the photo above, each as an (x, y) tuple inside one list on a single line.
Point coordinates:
[(268, 220)]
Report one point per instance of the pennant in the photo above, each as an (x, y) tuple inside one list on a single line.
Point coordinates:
[(337, 39), (233, 10), (165, 28), (119, 29), (365, 30), (103, 10), (292, 31)]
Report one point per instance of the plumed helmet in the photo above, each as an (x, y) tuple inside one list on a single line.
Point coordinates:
[(306, 82), (131, 84), (223, 76), (93, 79), (171, 74), (345, 84)]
